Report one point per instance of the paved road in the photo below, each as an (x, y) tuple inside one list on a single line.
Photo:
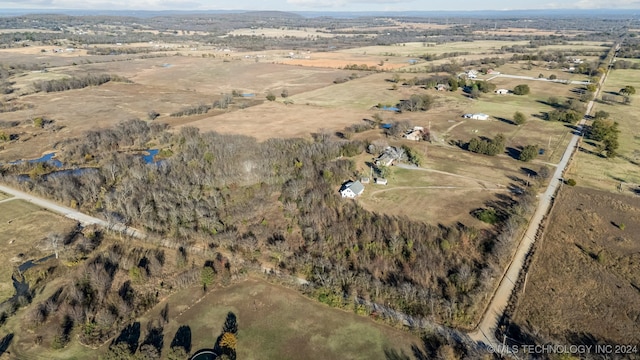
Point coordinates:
[(84, 219), (574, 82), (486, 329)]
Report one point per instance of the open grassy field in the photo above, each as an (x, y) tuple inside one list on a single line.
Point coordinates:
[(274, 322), (277, 323), (589, 169), (340, 60), (164, 85), (360, 94), (584, 283), (419, 48), (537, 68), (278, 33), (23, 228), (432, 196)]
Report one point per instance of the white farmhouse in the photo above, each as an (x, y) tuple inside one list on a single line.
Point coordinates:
[(351, 189)]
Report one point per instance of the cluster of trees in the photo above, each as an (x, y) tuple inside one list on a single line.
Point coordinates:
[(362, 67), (569, 112), (486, 146), (222, 103), (624, 64), (564, 115), (416, 102), (192, 110), (522, 89), (108, 290), (528, 153), (605, 131), (476, 88), (76, 82), (413, 156), (519, 118)]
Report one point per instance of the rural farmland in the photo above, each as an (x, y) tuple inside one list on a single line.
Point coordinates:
[(285, 185)]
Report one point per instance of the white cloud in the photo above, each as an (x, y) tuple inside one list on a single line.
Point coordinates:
[(607, 4)]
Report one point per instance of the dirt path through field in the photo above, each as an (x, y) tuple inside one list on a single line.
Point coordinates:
[(482, 183)]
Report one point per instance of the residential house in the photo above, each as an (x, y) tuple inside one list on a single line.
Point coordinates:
[(351, 189), (388, 156), (415, 134), (502, 91)]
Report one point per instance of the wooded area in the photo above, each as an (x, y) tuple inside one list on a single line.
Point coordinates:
[(277, 202)]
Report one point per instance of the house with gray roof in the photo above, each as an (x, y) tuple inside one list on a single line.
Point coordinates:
[(351, 189)]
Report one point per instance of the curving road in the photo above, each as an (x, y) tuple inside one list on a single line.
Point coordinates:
[(84, 219)]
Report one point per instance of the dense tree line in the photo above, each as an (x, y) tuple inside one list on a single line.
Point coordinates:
[(192, 110), (76, 82)]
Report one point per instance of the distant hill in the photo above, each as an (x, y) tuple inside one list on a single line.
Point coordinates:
[(625, 13)]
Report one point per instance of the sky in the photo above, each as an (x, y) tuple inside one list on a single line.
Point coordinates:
[(320, 5)]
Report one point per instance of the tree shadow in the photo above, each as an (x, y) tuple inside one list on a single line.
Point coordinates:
[(5, 342), (518, 181), (575, 130), (585, 338), (630, 160), (393, 354), (182, 338), (513, 334), (553, 105), (542, 116), (585, 251), (587, 151), (529, 172), (130, 335), (510, 122), (225, 343), (155, 336), (230, 324), (514, 153)]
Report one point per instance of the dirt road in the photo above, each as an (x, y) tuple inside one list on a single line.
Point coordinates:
[(84, 219), (486, 329)]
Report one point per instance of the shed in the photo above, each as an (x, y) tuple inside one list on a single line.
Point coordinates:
[(478, 116), (502, 91), (381, 181)]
